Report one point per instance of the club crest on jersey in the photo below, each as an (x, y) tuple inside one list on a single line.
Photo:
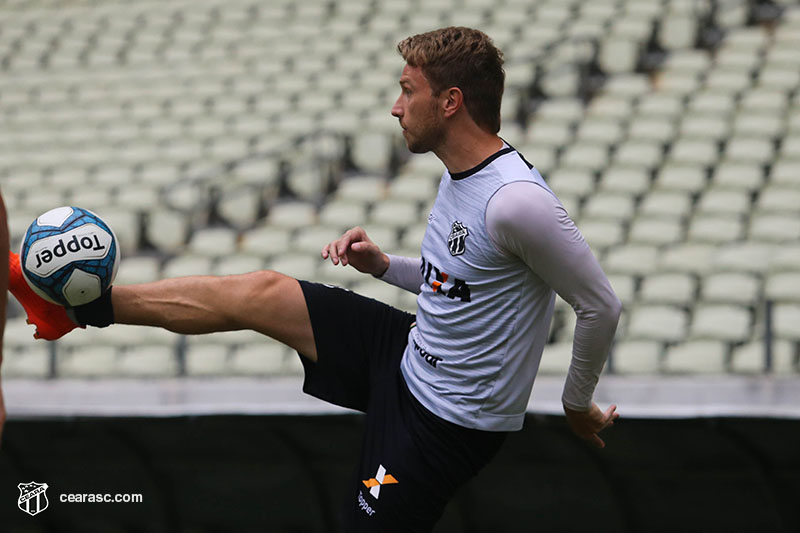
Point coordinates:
[(457, 240)]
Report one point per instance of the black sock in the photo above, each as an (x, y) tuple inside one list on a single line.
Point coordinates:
[(98, 313)]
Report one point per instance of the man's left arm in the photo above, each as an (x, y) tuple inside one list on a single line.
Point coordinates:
[(526, 220)]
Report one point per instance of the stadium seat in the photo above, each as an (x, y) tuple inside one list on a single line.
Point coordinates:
[(665, 204), (624, 287), (310, 240), (723, 202), (206, 360), (663, 105), (237, 264), (786, 173), (138, 269), (602, 233), (749, 150), (749, 358), (572, 181), (187, 265), (213, 242), (776, 228), (556, 359), (292, 215), (240, 207), (658, 231), (372, 152), (631, 259), (718, 229), (264, 358), (609, 206), (31, 363), (300, 266), (657, 323), (88, 362), (604, 131), (639, 153), (637, 357), (774, 199), (671, 288), (743, 176), (686, 177), (587, 156), (167, 230), (696, 357), (148, 361), (394, 214), (265, 240), (728, 323), (630, 180), (785, 258), (739, 288), (783, 287), (362, 188), (747, 256)]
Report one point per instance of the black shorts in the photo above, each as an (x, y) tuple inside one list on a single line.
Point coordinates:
[(411, 461)]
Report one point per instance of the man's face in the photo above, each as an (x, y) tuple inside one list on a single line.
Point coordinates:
[(417, 110)]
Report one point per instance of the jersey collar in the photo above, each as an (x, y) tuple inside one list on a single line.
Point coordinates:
[(483, 164)]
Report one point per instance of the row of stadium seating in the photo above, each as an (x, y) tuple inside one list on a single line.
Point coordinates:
[(222, 138)]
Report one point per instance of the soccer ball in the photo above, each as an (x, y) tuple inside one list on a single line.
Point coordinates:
[(69, 256)]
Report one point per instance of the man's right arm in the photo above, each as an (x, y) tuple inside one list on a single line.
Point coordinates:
[(355, 248)]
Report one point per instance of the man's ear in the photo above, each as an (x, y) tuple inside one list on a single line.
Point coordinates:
[(453, 100)]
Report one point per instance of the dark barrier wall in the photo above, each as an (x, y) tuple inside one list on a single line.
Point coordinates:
[(285, 474)]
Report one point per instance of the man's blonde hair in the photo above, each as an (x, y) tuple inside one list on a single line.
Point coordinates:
[(464, 58)]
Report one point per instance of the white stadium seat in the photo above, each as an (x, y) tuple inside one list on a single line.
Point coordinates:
[(637, 357), (88, 362), (148, 361), (783, 286), (658, 322), (728, 323), (671, 288), (659, 231), (696, 357), (556, 359), (738, 288), (750, 358), (632, 259), (31, 363)]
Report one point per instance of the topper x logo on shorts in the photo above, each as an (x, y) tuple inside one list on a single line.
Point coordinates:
[(381, 478)]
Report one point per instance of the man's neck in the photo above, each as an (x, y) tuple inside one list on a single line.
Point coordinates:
[(464, 150)]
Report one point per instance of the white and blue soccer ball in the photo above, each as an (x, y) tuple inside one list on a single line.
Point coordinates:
[(69, 256)]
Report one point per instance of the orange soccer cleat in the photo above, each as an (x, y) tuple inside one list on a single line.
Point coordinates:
[(51, 320)]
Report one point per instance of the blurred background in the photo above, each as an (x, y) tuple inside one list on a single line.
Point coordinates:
[(225, 137)]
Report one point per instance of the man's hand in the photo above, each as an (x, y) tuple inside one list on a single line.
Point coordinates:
[(587, 424), (354, 248)]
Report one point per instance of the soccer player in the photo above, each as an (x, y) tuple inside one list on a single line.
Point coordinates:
[(3, 300), (443, 388)]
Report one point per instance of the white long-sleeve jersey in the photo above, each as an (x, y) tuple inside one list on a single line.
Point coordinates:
[(498, 244)]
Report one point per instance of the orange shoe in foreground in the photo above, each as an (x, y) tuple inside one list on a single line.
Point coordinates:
[(51, 320)]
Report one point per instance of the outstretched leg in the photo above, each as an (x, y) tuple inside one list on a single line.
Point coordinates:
[(268, 302), (265, 301)]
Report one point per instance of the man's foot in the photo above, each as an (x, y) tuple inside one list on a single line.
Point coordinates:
[(51, 320)]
